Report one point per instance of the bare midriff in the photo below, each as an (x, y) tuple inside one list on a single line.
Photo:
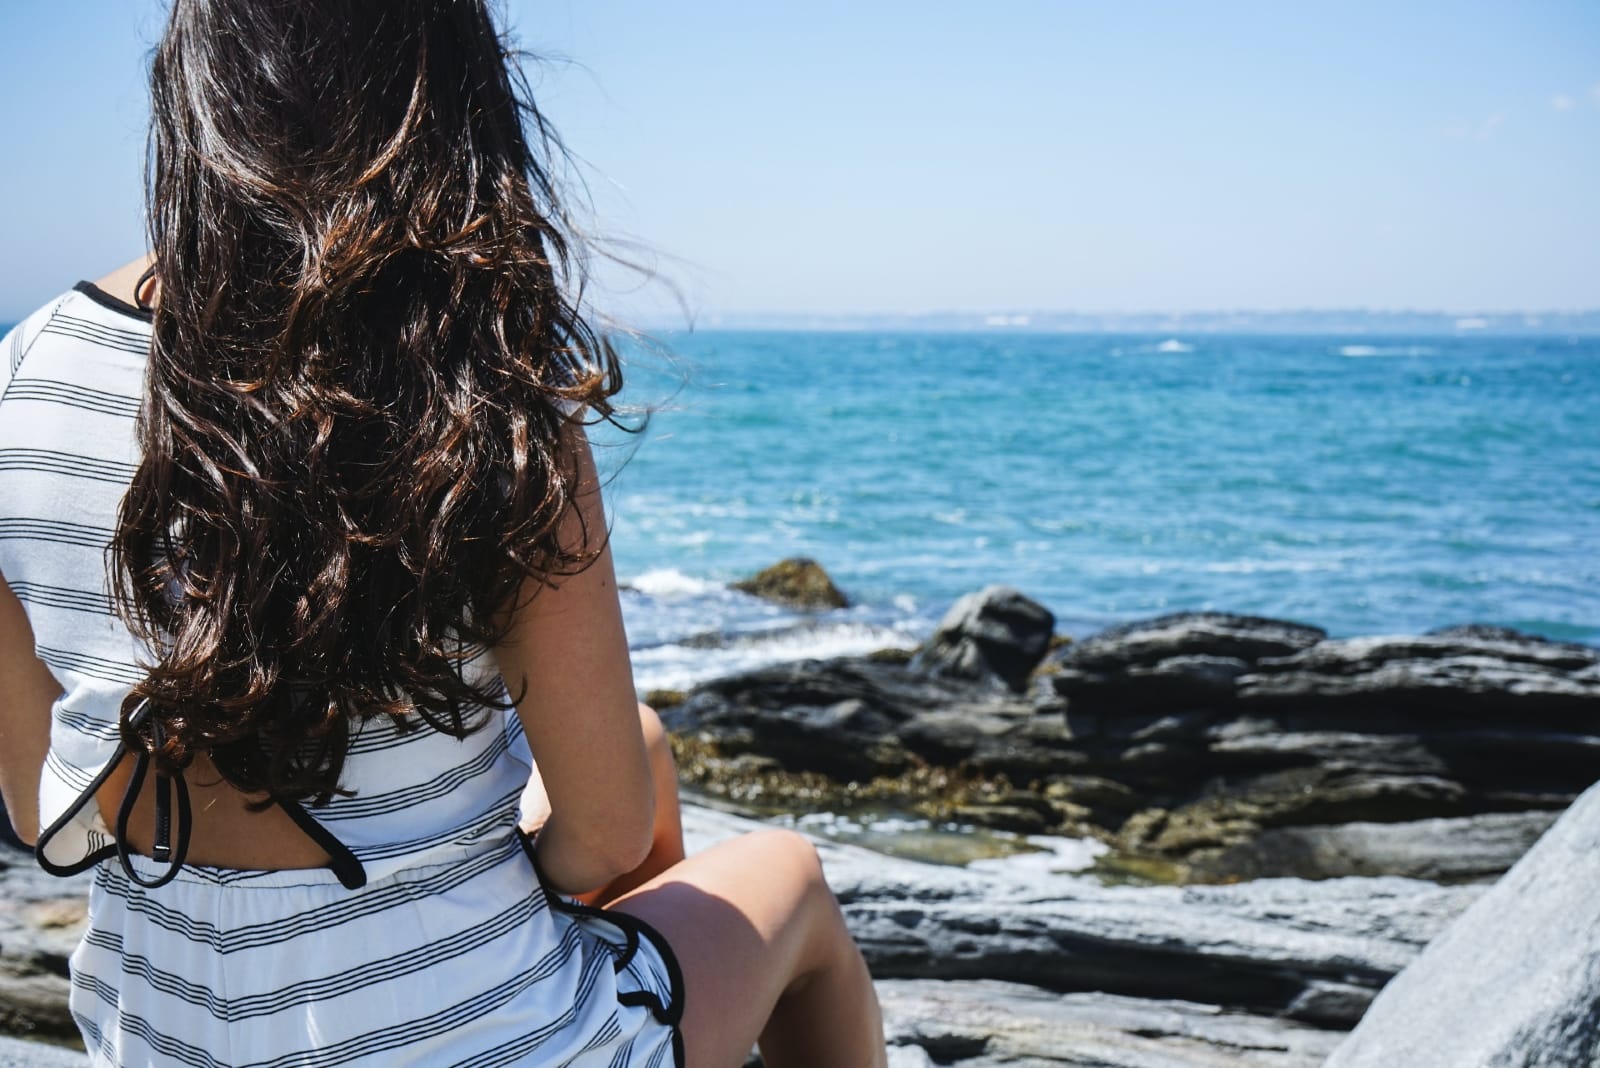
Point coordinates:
[(226, 833)]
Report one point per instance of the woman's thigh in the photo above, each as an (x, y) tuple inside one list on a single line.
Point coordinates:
[(739, 917)]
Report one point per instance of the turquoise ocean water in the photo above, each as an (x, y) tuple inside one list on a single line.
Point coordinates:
[(1366, 485), (1363, 484)]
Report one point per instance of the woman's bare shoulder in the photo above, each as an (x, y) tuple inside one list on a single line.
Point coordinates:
[(122, 282)]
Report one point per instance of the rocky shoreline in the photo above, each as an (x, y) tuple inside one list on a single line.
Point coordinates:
[(1293, 818), (980, 968), (1203, 747)]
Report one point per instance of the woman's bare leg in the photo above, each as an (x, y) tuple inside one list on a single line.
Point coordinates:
[(765, 955), (765, 952)]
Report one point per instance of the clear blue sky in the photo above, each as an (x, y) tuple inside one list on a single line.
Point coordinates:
[(897, 156)]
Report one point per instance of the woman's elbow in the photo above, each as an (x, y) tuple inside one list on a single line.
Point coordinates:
[(632, 845), (18, 830)]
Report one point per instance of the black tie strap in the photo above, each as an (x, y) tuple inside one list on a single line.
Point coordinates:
[(161, 849), (164, 850), (340, 859)]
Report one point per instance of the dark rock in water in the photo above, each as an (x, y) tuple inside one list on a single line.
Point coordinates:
[(1514, 981), (1444, 850), (1214, 634), (1451, 674), (1185, 738), (799, 582), (1487, 632), (994, 634), (1231, 725), (659, 698), (855, 718)]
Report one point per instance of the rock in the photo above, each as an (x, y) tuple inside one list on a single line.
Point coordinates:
[(798, 582), (660, 698), (850, 718), (15, 1054), (1213, 730), (989, 1024), (41, 919), (994, 635), (992, 967), (1515, 980), (1444, 850), (1233, 727), (1149, 642), (1280, 947), (1461, 672)]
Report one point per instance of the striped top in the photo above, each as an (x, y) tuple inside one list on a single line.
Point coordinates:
[(73, 376), (181, 975)]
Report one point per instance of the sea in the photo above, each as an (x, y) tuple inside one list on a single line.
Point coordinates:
[(1367, 485), (1362, 483)]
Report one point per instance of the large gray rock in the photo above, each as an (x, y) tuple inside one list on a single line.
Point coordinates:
[(989, 968), (1459, 671), (18, 1054), (1135, 660), (994, 635), (1444, 850), (1189, 737), (992, 1024), (1315, 951), (41, 919), (1515, 981), (849, 718)]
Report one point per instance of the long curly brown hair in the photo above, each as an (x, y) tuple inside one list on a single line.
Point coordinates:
[(366, 346)]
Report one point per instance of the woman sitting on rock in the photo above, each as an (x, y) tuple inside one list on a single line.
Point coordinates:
[(305, 567)]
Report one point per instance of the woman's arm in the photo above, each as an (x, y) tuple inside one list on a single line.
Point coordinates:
[(568, 647), (27, 690)]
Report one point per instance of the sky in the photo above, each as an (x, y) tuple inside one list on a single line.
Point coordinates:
[(900, 157)]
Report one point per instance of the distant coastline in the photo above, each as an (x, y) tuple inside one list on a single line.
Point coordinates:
[(1361, 322), (1336, 322)]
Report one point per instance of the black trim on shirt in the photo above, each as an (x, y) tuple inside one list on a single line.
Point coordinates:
[(116, 304)]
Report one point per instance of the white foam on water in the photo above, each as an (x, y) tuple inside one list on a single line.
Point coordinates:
[(678, 667), (1252, 567), (838, 823), (1172, 344), (1365, 351), (670, 582), (1056, 856)]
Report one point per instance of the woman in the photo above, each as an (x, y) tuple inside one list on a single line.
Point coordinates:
[(304, 563)]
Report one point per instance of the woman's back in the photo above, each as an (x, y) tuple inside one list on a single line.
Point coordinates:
[(67, 448), (451, 948), (249, 546)]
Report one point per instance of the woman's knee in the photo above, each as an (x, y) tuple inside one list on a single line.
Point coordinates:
[(656, 739), (789, 850), (793, 858), (651, 722)]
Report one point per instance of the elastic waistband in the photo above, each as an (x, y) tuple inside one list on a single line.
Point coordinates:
[(252, 879)]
